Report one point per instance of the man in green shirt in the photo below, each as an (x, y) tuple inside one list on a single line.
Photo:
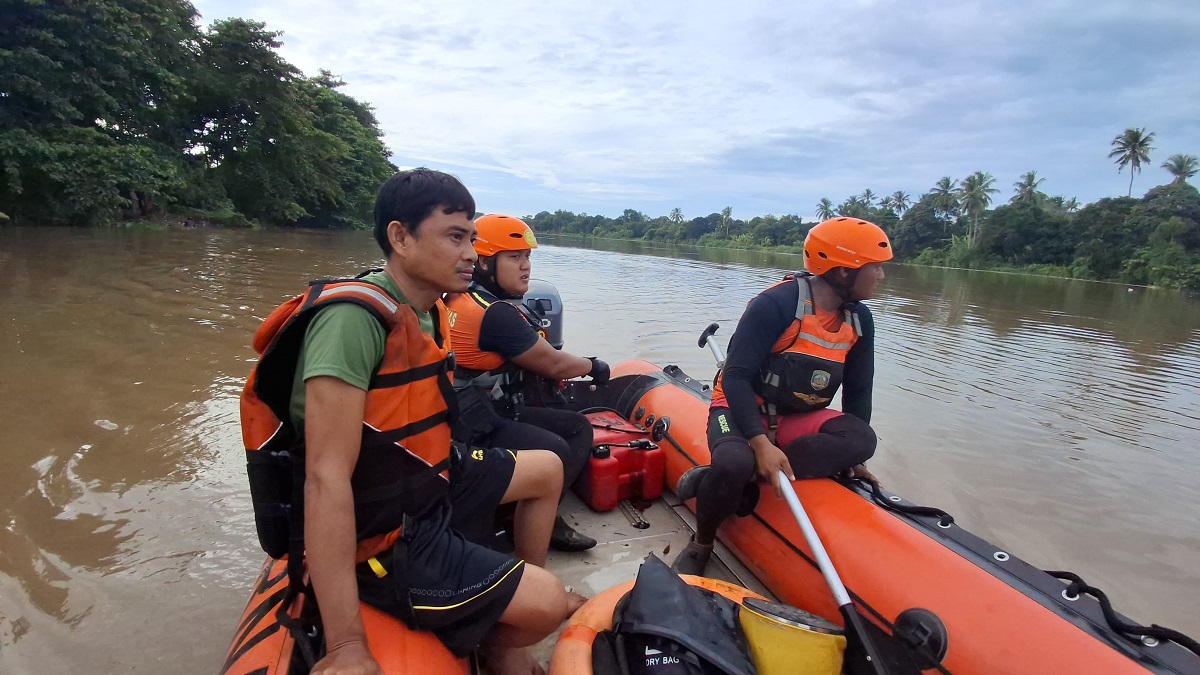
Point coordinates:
[(464, 593)]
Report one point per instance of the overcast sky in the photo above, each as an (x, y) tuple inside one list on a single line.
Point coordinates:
[(762, 106)]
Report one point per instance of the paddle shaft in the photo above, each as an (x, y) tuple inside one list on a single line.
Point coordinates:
[(716, 352), (854, 622), (814, 542)]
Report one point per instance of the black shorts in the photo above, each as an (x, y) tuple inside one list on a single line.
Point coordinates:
[(477, 484), (453, 588)]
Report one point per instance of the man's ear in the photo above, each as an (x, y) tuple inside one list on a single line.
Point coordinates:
[(398, 236)]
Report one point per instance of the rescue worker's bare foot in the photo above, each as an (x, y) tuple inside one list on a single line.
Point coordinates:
[(574, 602), (512, 661)]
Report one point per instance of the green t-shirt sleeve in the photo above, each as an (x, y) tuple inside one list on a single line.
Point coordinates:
[(343, 341)]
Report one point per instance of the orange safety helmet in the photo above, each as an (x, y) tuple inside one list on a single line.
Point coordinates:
[(502, 233), (845, 242)]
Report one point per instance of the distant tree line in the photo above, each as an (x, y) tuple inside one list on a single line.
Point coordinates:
[(128, 109), (1153, 240)]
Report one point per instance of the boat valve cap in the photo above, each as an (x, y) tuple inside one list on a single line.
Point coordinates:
[(925, 634)]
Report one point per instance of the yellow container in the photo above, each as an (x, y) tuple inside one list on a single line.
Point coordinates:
[(784, 640)]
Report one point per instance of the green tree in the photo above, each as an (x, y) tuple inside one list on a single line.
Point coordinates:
[(362, 163), (901, 202), (726, 220), (1132, 147), (975, 195), (699, 227), (1182, 167), (1164, 203), (254, 125), (825, 209), (87, 93), (1025, 234), (1026, 190), (1060, 205), (854, 207), (921, 227), (945, 198), (676, 216), (1106, 238)]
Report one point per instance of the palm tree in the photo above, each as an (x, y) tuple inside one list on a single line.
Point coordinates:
[(726, 219), (1182, 167), (975, 195), (676, 216), (853, 207), (825, 209), (901, 201), (945, 196), (1061, 205), (886, 204), (867, 197), (1132, 148), (1027, 189)]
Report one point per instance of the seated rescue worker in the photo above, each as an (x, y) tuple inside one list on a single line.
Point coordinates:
[(500, 349), (361, 368), (797, 343)]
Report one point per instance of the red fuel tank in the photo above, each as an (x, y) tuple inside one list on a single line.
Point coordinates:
[(625, 463)]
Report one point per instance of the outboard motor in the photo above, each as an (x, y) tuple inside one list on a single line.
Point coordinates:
[(543, 300)]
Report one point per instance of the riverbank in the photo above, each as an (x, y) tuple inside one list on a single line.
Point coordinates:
[(644, 246)]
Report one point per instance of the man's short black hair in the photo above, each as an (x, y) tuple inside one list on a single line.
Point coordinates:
[(410, 197)]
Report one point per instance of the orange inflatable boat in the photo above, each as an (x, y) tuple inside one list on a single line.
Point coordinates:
[(1000, 614), (911, 571)]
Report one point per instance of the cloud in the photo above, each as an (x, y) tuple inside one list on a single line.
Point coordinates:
[(756, 105)]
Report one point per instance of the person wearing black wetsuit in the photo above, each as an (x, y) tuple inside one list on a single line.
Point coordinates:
[(500, 348), (797, 343)]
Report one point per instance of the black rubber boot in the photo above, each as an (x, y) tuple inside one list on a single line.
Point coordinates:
[(692, 559), (689, 482), (564, 538)]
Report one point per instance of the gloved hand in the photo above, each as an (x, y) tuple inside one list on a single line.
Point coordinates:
[(599, 372)]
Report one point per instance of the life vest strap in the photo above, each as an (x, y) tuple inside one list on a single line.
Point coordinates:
[(804, 302), (411, 429), (411, 375)]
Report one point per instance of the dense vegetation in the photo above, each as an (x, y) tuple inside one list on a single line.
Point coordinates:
[(1154, 240), (128, 109)]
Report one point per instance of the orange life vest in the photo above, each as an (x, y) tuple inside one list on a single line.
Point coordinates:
[(466, 321), (485, 370), (405, 450), (807, 361)]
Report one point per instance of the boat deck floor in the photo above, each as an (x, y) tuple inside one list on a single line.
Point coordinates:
[(621, 547)]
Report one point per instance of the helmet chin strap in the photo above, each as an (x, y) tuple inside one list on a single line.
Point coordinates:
[(487, 278)]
